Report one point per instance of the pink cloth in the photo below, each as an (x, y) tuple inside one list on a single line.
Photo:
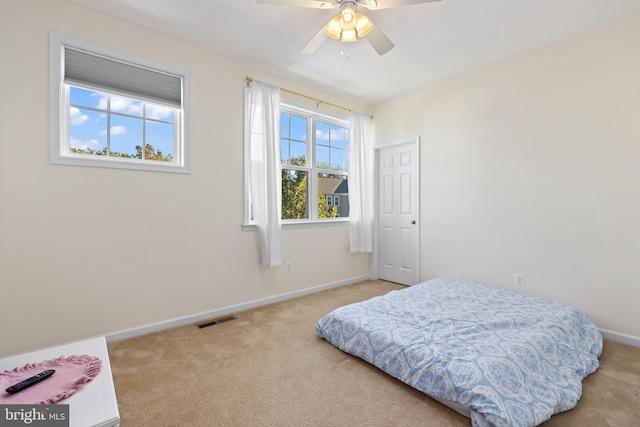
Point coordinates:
[(72, 373)]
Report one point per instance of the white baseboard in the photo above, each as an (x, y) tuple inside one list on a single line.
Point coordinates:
[(224, 311), (620, 337)]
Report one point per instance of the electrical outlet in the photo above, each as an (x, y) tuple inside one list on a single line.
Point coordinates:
[(518, 279), (289, 267)]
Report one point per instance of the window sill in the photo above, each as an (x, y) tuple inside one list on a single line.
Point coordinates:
[(117, 163), (342, 222)]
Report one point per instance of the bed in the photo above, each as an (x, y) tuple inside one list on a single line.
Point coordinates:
[(500, 357)]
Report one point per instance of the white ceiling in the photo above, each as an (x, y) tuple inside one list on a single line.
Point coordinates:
[(433, 40)]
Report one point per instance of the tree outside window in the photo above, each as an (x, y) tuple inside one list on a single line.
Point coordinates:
[(301, 174)]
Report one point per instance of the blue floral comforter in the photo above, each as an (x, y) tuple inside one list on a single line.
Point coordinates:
[(512, 359)]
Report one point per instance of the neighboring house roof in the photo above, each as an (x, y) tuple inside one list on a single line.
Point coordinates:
[(343, 188), (331, 185)]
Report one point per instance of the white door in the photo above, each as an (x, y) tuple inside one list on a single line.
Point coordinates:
[(398, 208)]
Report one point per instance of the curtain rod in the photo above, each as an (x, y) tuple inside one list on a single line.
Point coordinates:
[(319, 101)]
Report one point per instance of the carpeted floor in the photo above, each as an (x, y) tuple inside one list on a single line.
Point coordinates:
[(269, 368)]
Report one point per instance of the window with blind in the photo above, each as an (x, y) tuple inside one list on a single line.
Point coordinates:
[(110, 109)]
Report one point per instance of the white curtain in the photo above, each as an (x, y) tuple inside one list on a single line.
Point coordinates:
[(360, 184), (264, 168)]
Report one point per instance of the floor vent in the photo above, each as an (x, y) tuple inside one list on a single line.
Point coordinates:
[(216, 321)]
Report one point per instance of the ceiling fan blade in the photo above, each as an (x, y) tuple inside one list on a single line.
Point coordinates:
[(379, 41), (314, 4), (386, 4), (315, 42)]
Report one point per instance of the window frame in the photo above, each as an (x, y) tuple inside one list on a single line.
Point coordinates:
[(312, 168), (59, 140), (312, 204)]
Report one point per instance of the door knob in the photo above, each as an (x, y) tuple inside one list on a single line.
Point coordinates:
[(413, 221)]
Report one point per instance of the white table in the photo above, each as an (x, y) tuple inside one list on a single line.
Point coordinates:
[(94, 405)]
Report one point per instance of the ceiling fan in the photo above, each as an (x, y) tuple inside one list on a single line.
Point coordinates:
[(349, 24)]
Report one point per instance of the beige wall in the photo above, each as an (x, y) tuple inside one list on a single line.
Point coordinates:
[(528, 166), (93, 251), (532, 165)]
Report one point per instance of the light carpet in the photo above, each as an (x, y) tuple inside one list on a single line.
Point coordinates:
[(269, 368)]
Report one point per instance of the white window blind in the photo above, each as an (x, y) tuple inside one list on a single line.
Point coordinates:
[(112, 75), (113, 109)]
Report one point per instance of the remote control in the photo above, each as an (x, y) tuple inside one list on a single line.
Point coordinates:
[(30, 381)]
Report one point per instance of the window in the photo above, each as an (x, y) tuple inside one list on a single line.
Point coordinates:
[(112, 110), (314, 161), (314, 155)]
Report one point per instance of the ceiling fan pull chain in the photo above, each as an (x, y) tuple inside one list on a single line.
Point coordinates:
[(347, 54)]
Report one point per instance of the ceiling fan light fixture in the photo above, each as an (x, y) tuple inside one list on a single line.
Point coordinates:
[(333, 28), (348, 17), (363, 25), (348, 36)]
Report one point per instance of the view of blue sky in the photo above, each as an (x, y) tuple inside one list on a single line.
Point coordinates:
[(332, 141), (97, 118)]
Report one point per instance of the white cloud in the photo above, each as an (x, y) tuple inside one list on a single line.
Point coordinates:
[(83, 145), (126, 105), (158, 112), (335, 133), (102, 102), (134, 107), (76, 117), (115, 130), (118, 130), (322, 136), (120, 104)]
